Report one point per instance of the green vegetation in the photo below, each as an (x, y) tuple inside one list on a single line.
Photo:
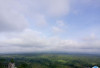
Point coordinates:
[(51, 60)]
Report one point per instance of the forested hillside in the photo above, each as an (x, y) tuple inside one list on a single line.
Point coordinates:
[(51, 61)]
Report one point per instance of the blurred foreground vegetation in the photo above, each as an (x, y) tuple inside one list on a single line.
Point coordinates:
[(51, 60)]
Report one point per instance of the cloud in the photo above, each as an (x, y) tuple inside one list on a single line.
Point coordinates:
[(56, 29), (40, 20), (51, 7), (17, 18), (33, 41), (57, 7), (59, 27), (17, 15), (11, 16)]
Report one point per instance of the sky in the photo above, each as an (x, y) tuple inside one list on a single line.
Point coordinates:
[(71, 26)]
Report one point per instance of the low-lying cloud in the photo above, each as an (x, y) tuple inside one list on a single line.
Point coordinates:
[(32, 41)]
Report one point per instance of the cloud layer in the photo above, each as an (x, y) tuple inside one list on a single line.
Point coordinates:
[(48, 26), (33, 41)]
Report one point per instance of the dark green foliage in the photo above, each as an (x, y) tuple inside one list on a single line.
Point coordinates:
[(51, 61), (12, 60)]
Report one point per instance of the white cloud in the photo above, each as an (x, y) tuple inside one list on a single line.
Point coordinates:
[(40, 20), (59, 27), (57, 7), (50, 7), (33, 41), (17, 15), (11, 16), (56, 29), (91, 37)]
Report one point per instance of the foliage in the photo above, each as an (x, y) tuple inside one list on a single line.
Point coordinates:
[(51, 60)]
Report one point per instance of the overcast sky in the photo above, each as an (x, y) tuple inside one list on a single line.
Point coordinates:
[(50, 26)]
